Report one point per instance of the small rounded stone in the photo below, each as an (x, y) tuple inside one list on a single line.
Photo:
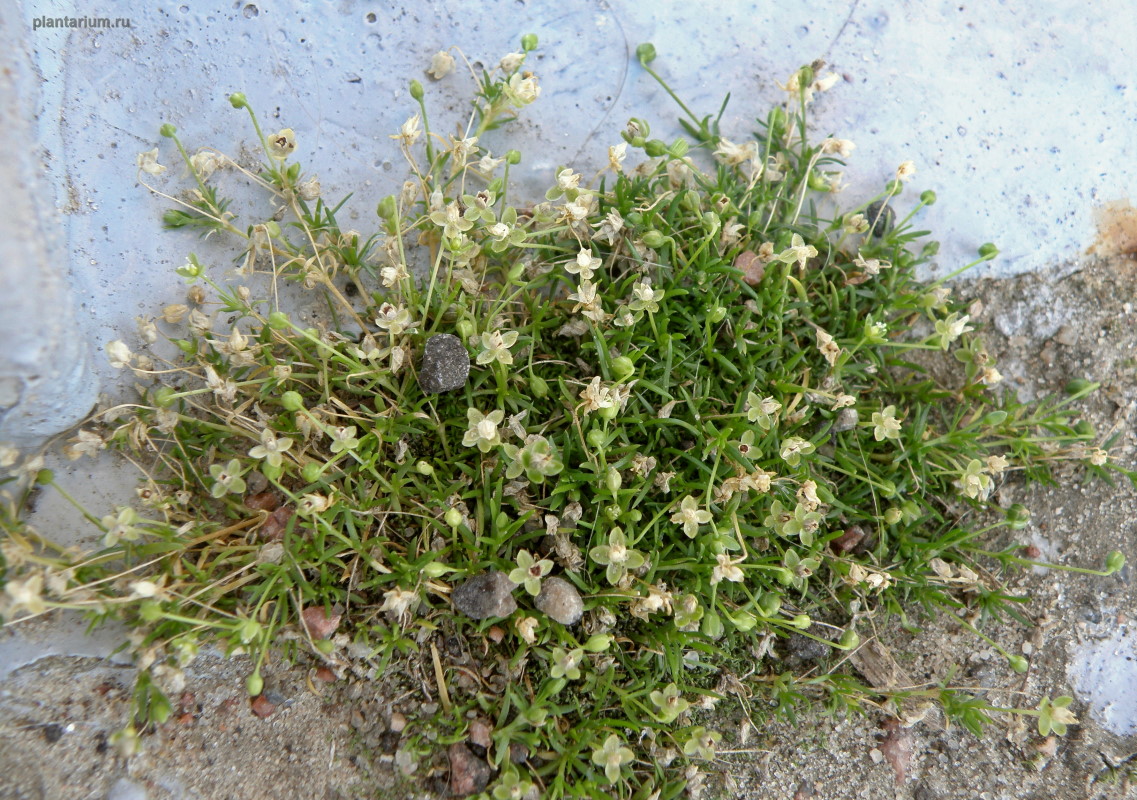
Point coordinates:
[(560, 601)]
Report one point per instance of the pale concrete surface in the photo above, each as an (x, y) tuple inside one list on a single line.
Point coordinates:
[(1019, 117)]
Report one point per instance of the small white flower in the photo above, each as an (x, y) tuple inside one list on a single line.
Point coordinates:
[(522, 91), (616, 155), (271, 448), (148, 162), (798, 251), (644, 298), (409, 131), (311, 504), (87, 443), (394, 319), (495, 347), (511, 62), (483, 432), (727, 570), (842, 147), (733, 154), (399, 601), (343, 438), (441, 65), (906, 170), (951, 328), (597, 396), (690, 516), (206, 162), (584, 265), (119, 354), (871, 266), (885, 424), (828, 347), (27, 593)]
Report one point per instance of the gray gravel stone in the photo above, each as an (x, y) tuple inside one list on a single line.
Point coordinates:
[(560, 600), (881, 219), (445, 364), (487, 595), (805, 648)]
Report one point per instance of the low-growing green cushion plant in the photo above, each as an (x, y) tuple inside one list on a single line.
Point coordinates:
[(710, 408)]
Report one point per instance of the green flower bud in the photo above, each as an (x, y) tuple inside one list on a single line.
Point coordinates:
[(512, 157), (654, 239), (325, 646), (598, 643), (744, 621), (1018, 516), (608, 413), (1085, 429), (1114, 562), (529, 42), (655, 147), (622, 367), (892, 515), (894, 187), (424, 468), (387, 207), (515, 272), (988, 251), (150, 610), (646, 53), (272, 471), (453, 517), (679, 148), (805, 76), (248, 629), (928, 197), (716, 315), (613, 480), (164, 397), (292, 401), (595, 438), (278, 321), (311, 471), (416, 91), (770, 604), (1079, 386), (538, 386), (44, 477), (801, 622), (186, 346), (816, 182), (712, 626), (238, 100), (776, 118), (168, 130), (1018, 663), (931, 249), (254, 684), (995, 418), (465, 328), (436, 569), (849, 640)]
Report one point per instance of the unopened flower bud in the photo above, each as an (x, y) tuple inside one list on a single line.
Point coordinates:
[(292, 401)]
